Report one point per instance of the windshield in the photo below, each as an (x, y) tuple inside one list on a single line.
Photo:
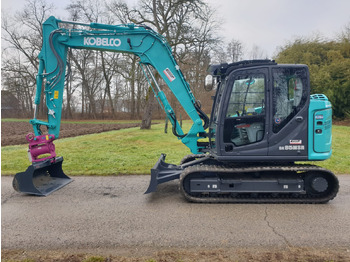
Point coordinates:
[(247, 96)]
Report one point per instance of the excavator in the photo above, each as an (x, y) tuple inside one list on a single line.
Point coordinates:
[(264, 122)]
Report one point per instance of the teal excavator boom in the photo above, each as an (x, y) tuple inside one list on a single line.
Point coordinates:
[(152, 49), (153, 52)]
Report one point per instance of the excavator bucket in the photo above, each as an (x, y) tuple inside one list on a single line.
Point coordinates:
[(41, 178)]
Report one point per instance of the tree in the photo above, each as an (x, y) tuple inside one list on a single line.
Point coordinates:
[(22, 35), (185, 24), (108, 68), (234, 50), (95, 84), (95, 68), (329, 63), (257, 53), (91, 79)]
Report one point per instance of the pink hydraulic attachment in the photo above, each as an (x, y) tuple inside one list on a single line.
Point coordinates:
[(39, 146)]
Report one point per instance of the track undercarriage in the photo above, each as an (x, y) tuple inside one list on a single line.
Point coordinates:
[(205, 180)]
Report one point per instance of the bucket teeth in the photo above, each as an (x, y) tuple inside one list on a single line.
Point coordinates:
[(41, 178)]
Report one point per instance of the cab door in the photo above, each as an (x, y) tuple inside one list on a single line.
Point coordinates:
[(290, 94), (244, 114)]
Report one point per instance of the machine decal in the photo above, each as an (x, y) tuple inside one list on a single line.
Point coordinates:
[(277, 120), (55, 96), (291, 147), (295, 142), (102, 41), (169, 74)]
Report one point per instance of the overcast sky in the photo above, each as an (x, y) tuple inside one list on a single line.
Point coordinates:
[(271, 23), (264, 23)]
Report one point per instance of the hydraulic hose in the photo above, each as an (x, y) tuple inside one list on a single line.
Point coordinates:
[(173, 117), (202, 115), (60, 63)]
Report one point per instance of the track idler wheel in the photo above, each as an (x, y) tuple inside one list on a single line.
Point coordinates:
[(317, 184)]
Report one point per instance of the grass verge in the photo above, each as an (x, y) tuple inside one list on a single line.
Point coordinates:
[(339, 163), (126, 151), (78, 121), (225, 254), (135, 151)]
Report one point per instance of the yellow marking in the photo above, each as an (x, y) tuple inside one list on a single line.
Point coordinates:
[(56, 95), (47, 137)]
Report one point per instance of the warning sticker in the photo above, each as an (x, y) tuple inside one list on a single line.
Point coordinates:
[(169, 74), (55, 96)]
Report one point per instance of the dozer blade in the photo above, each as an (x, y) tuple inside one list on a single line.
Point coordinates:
[(163, 172), (41, 178)]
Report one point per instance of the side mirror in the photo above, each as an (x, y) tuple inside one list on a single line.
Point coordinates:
[(209, 83)]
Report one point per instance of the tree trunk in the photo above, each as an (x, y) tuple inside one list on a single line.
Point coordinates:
[(138, 104), (147, 116), (82, 102), (108, 79), (69, 110), (132, 86)]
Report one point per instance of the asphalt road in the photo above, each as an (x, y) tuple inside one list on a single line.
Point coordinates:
[(111, 212)]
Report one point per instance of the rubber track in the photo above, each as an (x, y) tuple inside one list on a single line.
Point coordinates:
[(262, 197)]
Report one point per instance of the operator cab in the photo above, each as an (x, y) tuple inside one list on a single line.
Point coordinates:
[(260, 111)]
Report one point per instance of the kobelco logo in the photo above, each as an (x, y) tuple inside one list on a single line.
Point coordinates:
[(102, 41)]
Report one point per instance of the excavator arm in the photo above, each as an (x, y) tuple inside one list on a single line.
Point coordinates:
[(45, 175), (152, 49)]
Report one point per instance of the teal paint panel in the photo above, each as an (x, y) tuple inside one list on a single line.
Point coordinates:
[(320, 128), (323, 131)]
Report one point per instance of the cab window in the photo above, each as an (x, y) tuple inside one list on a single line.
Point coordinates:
[(289, 94), (245, 114)]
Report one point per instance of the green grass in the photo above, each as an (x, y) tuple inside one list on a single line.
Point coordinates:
[(80, 121), (126, 151), (14, 120), (101, 121), (339, 163), (135, 151), (95, 259)]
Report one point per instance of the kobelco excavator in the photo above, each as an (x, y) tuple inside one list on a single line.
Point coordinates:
[(263, 120)]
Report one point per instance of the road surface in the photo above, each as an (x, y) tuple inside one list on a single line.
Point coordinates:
[(112, 212)]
